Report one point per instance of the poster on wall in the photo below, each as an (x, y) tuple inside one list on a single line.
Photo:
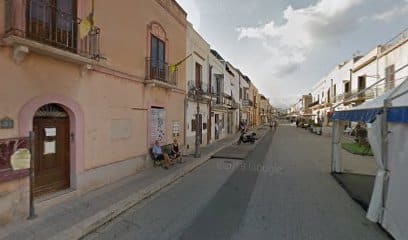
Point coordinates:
[(176, 128), (8, 147), (158, 125)]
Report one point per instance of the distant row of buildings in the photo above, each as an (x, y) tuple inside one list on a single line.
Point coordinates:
[(223, 94), (98, 82), (360, 79)]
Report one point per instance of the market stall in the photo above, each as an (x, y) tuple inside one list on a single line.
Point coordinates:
[(387, 128)]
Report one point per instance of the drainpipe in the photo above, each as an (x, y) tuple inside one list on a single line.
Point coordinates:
[(209, 128), (378, 70), (185, 119), (239, 101)]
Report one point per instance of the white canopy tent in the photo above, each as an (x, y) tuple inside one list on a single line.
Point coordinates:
[(387, 121)]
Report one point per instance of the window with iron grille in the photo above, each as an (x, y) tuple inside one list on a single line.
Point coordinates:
[(52, 22)]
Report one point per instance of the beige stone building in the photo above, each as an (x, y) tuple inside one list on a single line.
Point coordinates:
[(264, 110), (198, 90), (95, 83)]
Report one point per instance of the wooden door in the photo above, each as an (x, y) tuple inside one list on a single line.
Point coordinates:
[(209, 127), (51, 159), (200, 128), (217, 128)]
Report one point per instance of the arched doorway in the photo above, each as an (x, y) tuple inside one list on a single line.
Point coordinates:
[(52, 149)]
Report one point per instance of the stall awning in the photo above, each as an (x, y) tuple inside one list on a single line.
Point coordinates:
[(368, 111), (397, 114), (365, 115)]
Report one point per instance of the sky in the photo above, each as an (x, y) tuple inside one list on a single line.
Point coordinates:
[(285, 47)]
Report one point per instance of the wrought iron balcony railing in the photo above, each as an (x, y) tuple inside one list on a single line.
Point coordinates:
[(40, 21), (202, 88), (313, 104), (160, 71), (358, 95), (234, 105), (339, 98)]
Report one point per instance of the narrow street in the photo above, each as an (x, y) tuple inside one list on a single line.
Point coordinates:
[(282, 190)]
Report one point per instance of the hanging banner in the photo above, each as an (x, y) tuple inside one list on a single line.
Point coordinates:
[(158, 125)]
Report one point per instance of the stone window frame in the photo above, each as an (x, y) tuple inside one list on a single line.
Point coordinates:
[(157, 30)]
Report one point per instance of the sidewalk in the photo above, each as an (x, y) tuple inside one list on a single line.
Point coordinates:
[(79, 216)]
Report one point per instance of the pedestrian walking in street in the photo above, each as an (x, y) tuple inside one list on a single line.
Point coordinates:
[(274, 125)]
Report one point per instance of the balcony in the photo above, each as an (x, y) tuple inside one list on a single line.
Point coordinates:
[(347, 95), (339, 98), (315, 103), (246, 103), (203, 90), (234, 105), (43, 28), (356, 97), (159, 73), (220, 103)]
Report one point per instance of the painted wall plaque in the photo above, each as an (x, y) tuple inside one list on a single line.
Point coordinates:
[(6, 123)]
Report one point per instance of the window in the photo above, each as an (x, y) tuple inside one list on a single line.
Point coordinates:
[(361, 83), (52, 22), (157, 51), (193, 125), (328, 95), (198, 74), (157, 59), (390, 77), (347, 87)]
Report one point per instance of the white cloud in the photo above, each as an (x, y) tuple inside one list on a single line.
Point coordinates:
[(304, 28), (391, 14), (193, 12)]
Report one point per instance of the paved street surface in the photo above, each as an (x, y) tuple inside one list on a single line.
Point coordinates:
[(282, 190)]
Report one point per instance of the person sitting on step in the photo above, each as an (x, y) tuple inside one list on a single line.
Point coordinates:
[(159, 155), (175, 153)]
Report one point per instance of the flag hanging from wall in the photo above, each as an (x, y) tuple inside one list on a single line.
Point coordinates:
[(85, 26)]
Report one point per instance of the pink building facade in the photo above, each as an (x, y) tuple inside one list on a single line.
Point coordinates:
[(95, 94)]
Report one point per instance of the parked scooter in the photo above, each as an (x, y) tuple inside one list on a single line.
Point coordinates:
[(247, 138)]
